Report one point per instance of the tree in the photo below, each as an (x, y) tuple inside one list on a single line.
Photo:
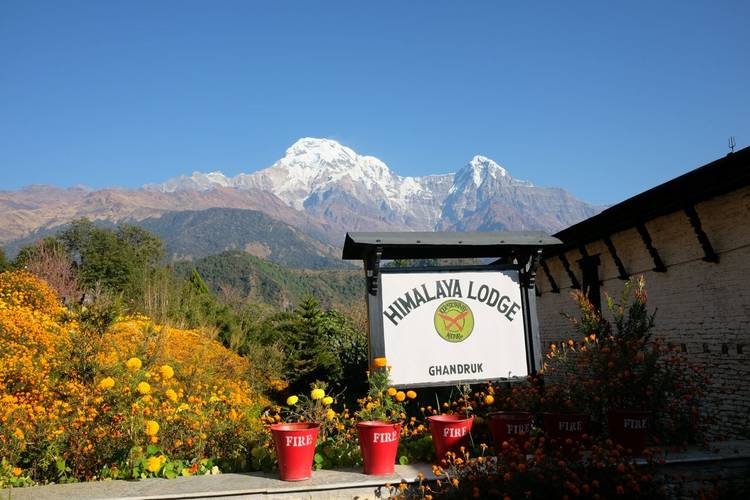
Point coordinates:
[(200, 308), (119, 260), (49, 260), (347, 345), (319, 345), (3, 261)]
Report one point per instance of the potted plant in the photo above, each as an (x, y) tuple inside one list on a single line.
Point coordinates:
[(514, 419), (623, 357), (564, 397), (295, 441), (451, 431), (379, 426)]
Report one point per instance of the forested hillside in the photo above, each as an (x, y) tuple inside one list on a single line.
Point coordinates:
[(192, 234), (239, 276)]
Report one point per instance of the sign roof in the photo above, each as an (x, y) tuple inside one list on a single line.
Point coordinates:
[(443, 245)]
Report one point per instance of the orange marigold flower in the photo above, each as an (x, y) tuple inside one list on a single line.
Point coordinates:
[(166, 372), (17, 472), (392, 391), (171, 395), (400, 396), (106, 383), (411, 394), (152, 427), (379, 362), (133, 364), (488, 399), (153, 464)]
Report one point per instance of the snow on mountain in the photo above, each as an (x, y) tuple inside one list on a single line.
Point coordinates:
[(336, 185), (196, 182)]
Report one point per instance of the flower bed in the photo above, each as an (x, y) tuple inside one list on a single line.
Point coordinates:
[(139, 401)]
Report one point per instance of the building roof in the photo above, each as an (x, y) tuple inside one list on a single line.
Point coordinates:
[(718, 177), (444, 245)]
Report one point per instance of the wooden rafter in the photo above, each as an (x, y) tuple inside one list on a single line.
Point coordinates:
[(622, 273), (566, 265), (659, 266), (709, 255)]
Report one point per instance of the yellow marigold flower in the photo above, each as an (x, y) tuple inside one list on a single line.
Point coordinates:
[(400, 396), (489, 399), (327, 400), (17, 471), (171, 395), (411, 394), (133, 364), (317, 394), (153, 464), (18, 433), (152, 427), (292, 400), (106, 383), (330, 414), (166, 372), (144, 388), (379, 362), (392, 391)]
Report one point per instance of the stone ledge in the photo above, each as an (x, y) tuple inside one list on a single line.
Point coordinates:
[(342, 483), (324, 484)]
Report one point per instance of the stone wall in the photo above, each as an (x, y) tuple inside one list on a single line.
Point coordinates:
[(703, 307)]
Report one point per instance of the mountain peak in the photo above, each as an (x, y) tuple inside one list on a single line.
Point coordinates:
[(319, 151), (481, 163), (478, 169)]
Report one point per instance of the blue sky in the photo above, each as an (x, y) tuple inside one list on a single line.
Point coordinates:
[(604, 99)]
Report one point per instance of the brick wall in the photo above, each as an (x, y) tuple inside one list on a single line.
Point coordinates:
[(702, 306)]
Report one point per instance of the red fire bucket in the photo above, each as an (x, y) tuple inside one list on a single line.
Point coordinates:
[(629, 428), (378, 443), (295, 449), (449, 433), (510, 425), (564, 426)]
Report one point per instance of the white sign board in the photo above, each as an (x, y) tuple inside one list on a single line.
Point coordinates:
[(442, 328)]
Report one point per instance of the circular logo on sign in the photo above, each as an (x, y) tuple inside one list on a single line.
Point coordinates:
[(454, 321)]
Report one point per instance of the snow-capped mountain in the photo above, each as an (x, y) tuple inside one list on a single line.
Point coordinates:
[(348, 191), (322, 189)]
